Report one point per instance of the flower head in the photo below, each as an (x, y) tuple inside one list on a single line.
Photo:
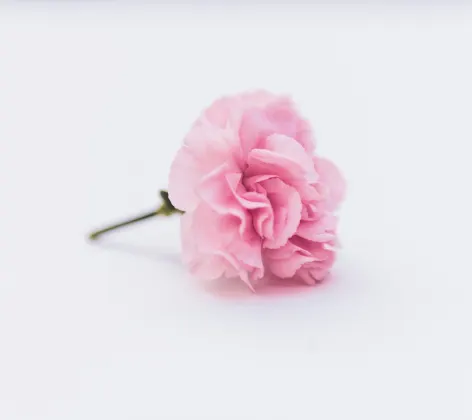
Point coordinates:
[(257, 200)]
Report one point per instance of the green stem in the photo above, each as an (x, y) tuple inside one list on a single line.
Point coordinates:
[(166, 209)]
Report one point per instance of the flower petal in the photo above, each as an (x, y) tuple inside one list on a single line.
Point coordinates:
[(279, 116), (215, 191), (322, 230), (185, 173), (284, 262), (284, 158), (287, 211), (212, 246), (332, 180), (248, 199)]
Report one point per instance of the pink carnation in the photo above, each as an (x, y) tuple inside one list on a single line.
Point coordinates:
[(257, 201)]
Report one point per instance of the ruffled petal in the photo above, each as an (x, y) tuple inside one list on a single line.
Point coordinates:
[(316, 271), (283, 158), (293, 151), (287, 209), (216, 192), (332, 181), (279, 116), (322, 230), (300, 258), (185, 173), (284, 262), (212, 246), (248, 199)]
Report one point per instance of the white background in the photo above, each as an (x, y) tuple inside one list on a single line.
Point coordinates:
[(94, 101)]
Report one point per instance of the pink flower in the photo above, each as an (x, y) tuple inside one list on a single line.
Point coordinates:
[(257, 200)]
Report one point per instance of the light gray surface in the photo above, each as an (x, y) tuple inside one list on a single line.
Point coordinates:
[(94, 102)]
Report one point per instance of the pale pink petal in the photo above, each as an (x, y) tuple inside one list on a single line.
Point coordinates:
[(208, 229), (288, 147), (184, 176), (304, 136), (332, 179), (209, 267), (251, 182), (198, 248), (255, 127), (277, 117), (287, 211), (286, 120), (299, 258), (321, 230), (212, 246), (219, 112), (262, 161), (263, 220), (248, 199), (215, 191), (308, 192), (284, 158), (257, 98), (248, 252), (319, 251), (211, 146), (189, 245), (314, 272), (284, 262)]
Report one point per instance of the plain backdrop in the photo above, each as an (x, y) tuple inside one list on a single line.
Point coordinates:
[(95, 98)]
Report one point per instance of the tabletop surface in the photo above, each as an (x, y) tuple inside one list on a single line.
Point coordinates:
[(95, 99)]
